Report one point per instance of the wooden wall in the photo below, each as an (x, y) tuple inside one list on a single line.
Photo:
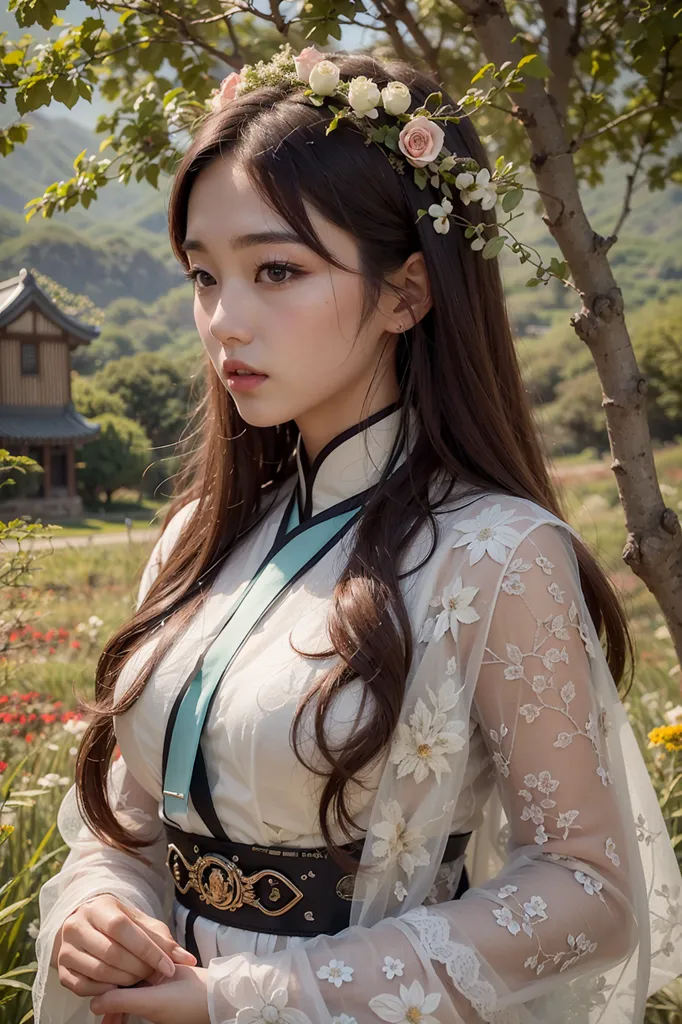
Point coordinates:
[(51, 386)]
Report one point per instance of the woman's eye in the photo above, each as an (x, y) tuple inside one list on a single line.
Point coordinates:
[(275, 272), (202, 278)]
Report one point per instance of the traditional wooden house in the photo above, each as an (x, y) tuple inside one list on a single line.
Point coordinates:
[(37, 416)]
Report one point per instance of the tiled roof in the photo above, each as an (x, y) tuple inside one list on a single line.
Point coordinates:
[(22, 291), (30, 423)]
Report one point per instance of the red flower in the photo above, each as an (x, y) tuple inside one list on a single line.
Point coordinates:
[(4, 698), (22, 719), (3, 765), (49, 718), (37, 635), (30, 737), (75, 644), (63, 632), (52, 650), (32, 717), (57, 703), (51, 634), (13, 637)]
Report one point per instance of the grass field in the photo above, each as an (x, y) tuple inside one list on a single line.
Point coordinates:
[(84, 594)]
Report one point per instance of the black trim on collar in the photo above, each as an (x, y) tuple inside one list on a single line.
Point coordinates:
[(310, 471)]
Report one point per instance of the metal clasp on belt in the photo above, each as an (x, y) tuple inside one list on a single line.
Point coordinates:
[(224, 886)]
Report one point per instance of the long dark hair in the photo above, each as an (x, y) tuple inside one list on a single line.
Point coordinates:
[(457, 371)]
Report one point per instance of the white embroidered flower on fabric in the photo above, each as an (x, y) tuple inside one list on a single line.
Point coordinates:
[(565, 821), (556, 593), (269, 1003), (451, 666), (507, 890), (398, 842), (589, 884), (399, 891), (489, 534), (505, 919), (412, 1007), (455, 601), (344, 1019), (393, 968), (512, 584), (544, 564), (610, 851), (536, 907), (422, 746), (335, 972)]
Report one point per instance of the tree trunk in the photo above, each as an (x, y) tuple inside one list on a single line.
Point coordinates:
[(653, 549)]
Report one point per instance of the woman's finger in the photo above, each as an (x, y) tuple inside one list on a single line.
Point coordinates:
[(81, 962), (114, 921), (102, 947), (80, 985), (161, 933)]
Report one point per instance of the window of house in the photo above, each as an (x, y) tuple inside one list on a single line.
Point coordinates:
[(29, 358)]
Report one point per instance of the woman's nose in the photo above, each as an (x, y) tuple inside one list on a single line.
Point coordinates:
[(226, 328)]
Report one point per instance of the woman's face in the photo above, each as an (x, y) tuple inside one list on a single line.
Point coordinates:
[(265, 299)]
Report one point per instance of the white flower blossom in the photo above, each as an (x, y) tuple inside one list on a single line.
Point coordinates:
[(589, 884), (489, 533), (363, 95), (512, 584), (505, 919), (456, 604), (473, 189), (422, 746), (412, 1007), (396, 98), (335, 972), (399, 891), (393, 968), (610, 851), (269, 1003), (440, 213), (397, 842), (324, 78)]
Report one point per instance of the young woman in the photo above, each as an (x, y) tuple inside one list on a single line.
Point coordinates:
[(365, 635)]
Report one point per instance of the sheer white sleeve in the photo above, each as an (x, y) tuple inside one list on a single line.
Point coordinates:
[(562, 931), (91, 867)]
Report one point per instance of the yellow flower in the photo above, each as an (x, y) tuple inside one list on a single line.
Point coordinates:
[(668, 736)]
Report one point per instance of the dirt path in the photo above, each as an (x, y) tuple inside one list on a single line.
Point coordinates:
[(79, 541)]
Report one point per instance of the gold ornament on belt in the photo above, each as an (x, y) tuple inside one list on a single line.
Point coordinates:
[(224, 886)]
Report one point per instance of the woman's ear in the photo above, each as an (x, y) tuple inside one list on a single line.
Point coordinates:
[(415, 301)]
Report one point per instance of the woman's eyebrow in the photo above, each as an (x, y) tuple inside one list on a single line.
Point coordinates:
[(245, 241)]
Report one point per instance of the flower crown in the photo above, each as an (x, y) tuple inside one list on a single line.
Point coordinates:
[(420, 140)]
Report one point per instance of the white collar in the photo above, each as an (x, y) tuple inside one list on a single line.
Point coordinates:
[(351, 462)]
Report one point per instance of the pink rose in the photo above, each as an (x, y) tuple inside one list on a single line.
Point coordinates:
[(306, 61), (421, 140), (226, 91)]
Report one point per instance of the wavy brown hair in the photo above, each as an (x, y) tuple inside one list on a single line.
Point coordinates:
[(457, 370)]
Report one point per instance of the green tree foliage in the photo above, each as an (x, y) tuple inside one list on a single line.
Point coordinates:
[(116, 458), (154, 392), (159, 63), (92, 401)]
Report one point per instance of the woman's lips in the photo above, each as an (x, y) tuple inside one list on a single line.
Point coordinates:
[(244, 381)]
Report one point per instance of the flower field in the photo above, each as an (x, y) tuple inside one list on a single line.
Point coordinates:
[(52, 627)]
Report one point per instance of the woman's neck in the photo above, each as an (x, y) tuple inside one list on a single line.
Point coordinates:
[(320, 425)]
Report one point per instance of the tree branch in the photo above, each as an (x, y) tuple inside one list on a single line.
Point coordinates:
[(654, 542), (648, 135), (561, 59)]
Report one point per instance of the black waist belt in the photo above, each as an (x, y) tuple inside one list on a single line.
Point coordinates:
[(281, 890)]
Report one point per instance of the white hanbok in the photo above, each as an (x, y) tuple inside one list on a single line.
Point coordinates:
[(511, 727)]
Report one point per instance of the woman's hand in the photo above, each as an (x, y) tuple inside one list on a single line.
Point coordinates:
[(104, 944), (182, 999)]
